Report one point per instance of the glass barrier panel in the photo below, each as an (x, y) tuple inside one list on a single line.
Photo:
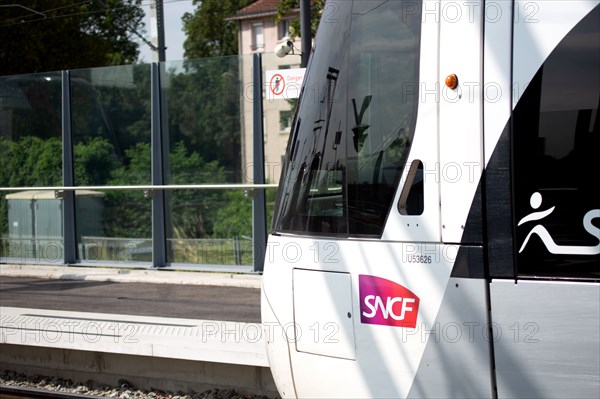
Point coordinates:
[(111, 122), (34, 228), (113, 226), (201, 114), (31, 156), (210, 227)]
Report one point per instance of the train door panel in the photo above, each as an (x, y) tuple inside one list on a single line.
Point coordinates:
[(550, 328), (460, 110), (456, 354), (415, 213)]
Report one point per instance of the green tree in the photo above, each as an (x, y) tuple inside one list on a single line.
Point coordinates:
[(32, 161), (204, 112), (120, 113), (192, 212), (234, 219), (128, 212), (208, 32), (39, 36), (94, 162), (286, 7)]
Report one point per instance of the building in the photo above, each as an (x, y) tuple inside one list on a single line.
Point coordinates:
[(260, 32)]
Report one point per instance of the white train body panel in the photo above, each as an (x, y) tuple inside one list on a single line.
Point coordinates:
[(362, 353), (533, 358), (431, 241), (460, 127)]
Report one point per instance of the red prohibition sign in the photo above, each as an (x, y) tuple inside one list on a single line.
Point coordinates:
[(277, 84)]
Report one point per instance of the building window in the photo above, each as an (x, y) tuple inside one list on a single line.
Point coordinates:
[(258, 38), (283, 29), (285, 120)]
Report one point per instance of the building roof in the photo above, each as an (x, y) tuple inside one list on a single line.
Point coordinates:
[(260, 8)]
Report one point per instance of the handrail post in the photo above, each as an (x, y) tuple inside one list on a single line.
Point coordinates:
[(159, 252), (259, 212), (68, 201)]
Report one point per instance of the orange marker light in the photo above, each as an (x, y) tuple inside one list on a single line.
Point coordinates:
[(451, 81)]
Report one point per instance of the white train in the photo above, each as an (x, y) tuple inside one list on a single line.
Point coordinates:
[(437, 228)]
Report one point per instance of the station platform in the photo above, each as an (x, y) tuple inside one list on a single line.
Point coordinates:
[(197, 316)]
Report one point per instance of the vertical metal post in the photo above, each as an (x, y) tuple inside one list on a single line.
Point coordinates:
[(159, 253), (157, 27), (259, 207), (305, 32), (68, 202)]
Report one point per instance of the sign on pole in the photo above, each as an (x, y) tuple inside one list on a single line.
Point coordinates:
[(284, 83)]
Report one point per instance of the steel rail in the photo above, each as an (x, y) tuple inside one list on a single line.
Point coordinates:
[(10, 392)]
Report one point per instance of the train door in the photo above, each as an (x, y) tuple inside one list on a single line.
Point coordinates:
[(458, 359), (541, 154)]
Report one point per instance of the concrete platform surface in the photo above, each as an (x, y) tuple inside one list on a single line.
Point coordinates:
[(209, 320), (123, 275), (205, 302), (175, 338)]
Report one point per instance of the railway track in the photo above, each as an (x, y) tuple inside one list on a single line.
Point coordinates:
[(33, 393), (112, 374)]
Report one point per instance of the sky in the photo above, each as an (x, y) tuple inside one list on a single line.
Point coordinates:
[(174, 36)]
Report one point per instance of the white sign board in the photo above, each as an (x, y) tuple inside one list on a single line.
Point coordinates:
[(284, 83)]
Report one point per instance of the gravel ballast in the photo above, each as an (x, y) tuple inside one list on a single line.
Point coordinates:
[(13, 379)]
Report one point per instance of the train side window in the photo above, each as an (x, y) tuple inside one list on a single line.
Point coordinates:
[(346, 158), (556, 138)]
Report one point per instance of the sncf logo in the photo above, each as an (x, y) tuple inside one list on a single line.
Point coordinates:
[(385, 302)]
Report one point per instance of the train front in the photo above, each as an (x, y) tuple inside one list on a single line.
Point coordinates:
[(355, 270)]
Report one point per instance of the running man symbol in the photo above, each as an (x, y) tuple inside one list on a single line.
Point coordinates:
[(535, 201), (277, 84)]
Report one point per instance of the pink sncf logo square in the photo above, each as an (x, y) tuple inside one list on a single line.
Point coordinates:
[(385, 302)]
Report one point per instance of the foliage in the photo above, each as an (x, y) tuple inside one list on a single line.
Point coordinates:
[(235, 217), (31, 161), (191, 214), (38, 35), (128, 213), (117, 109), (193, 211), (208, 32), (204, 111), (286, 7), (93, 162)]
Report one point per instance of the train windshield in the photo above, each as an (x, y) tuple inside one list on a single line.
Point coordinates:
[(355, 120)]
